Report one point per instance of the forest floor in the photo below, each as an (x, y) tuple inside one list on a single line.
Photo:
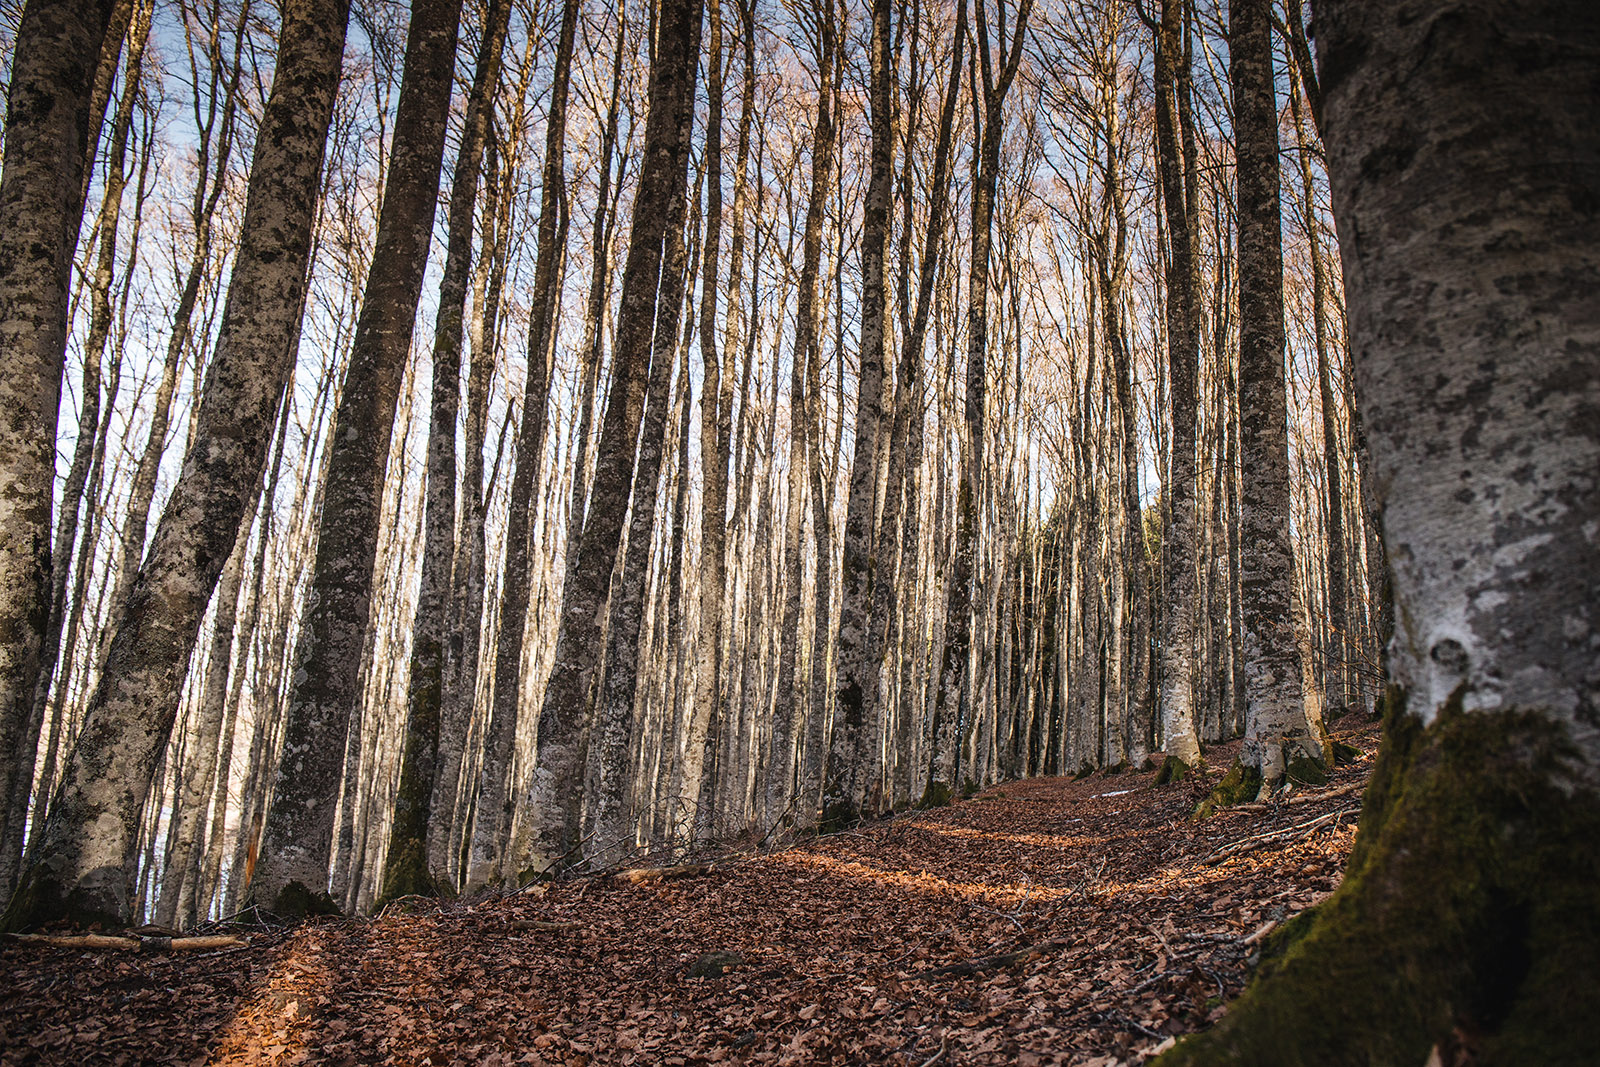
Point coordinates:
[(1046, 921)]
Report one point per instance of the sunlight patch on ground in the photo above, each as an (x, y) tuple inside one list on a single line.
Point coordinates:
[(922, 881)]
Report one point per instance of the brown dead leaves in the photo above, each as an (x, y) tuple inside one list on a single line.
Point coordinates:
[(1052, 922)]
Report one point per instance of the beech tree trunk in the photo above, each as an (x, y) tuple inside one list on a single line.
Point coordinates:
[(1277, 734), (87, 854), (849, 759), (297, 840), (41, 202), (555, 795), (1465, 165), (410, 867), (1180, 739), (492, 828)]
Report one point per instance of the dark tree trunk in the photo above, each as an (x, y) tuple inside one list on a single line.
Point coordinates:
[(409, 867), (297, 840), (89, 843), (41, 203), (555, 796)]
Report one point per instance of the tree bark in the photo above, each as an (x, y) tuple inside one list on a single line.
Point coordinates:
[(1465, 168), (297, 839), (555, 794), (88, 848), (41, 203), (491, 831), (409, 867), (1180, 740), (855, 678), (1277, 734)]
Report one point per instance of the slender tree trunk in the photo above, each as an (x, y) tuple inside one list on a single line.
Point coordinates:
[(701, 742), (1278, 738), (409, 867), (1181, 546), (297, 840), (491, 831), (850, 764), (90, 839), (555, 795)]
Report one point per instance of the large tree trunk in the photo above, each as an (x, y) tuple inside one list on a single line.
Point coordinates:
[(555, 795), (87, 853), (1278, 737), (408, 866), (41, 202), (297, 841), (1465, 165)]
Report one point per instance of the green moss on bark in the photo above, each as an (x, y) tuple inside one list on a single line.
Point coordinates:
[(1466, 923), (1174, 770), (295, 902), (1240, 785), (40, 899), (935, 795)]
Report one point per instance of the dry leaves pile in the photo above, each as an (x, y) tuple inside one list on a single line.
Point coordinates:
[(1042, 922)]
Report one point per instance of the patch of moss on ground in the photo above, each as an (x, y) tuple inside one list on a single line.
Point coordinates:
[(1466, 923), (1239, 786)]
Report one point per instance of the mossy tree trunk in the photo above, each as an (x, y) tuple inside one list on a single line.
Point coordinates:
[(409, 866), (88, 848), (555, 794), (324, 700), (1465, 164), (41, 202)]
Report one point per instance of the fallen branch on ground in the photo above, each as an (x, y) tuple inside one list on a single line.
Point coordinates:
[(140, 944), (1249, 844), (641, 875)]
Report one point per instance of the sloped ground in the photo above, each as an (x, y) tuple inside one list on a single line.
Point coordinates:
[(1042, 922)]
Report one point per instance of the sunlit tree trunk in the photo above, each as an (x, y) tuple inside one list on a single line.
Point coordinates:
[(1277, 733), (297, 841)]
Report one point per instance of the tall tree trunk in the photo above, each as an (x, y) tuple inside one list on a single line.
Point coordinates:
[(856, 679), (491, 831), (90, 838), (409, 868), (613, 831), (41, 203), (701, 741), (802, 412), (297, 839), (1181, 545), (998, 67), (1465, 166), (1278, 737), (555, 795)]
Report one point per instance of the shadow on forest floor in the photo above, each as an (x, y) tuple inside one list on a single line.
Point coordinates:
[(1041, 922)]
